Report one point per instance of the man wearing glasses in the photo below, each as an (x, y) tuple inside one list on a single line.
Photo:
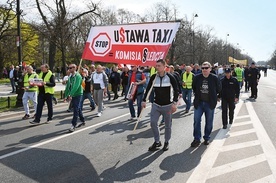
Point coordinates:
[(46, 92), (73, 93), (206, 87)]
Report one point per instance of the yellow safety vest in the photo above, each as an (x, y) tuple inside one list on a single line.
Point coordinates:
[(188, 81), (238, 72), (152, 71), (46, 79), (27, 79)]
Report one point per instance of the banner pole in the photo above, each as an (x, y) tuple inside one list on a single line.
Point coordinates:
[(79, 65), (147, 98)]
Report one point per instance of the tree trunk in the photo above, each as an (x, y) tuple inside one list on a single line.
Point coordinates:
[(63, 59), (52, 53)]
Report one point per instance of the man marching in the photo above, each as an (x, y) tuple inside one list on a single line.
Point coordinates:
[(139, 79), (229, 94), (164, 103), (73, 93), (30, 91)]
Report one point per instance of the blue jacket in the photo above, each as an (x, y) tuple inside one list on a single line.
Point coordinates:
[(214, 87)]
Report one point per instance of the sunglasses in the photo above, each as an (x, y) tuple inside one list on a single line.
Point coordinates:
[(71, 67), (205, 68)]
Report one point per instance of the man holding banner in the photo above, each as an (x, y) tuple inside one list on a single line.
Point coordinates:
[(164, 103), (137, 79)]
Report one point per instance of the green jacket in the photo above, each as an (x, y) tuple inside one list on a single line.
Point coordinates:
[(73, 86)]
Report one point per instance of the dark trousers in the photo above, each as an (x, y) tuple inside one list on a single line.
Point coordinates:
[(246, 85), (42, 98), (114, 88), (227, 104), (254, 89)]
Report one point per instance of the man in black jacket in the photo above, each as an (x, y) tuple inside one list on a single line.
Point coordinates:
[(115, 80), (229, 94), (206, 87), (253, 77), (164, 103)]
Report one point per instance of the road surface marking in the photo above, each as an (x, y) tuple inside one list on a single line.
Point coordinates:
[(236, 165), (241, 123), (267, 145), (268, 179), (202, 170), (205, 170), (243, 132), (241, 117), (61, 137), (240, 145)]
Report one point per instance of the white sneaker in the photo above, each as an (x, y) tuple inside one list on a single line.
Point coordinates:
[(72, 129), (99, 114)]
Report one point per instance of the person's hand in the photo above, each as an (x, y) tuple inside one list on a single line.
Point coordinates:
[(143, 104), (174, 108), (236, 99)]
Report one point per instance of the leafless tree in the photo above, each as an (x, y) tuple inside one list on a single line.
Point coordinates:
[(59, 25)]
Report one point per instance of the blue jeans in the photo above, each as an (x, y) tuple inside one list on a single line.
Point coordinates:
[(139, 99), (77, 110), (203, 107), (187, 97), (42, 98), (87, 95)]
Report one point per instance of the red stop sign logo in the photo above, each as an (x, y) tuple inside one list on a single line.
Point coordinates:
[(100, 45)]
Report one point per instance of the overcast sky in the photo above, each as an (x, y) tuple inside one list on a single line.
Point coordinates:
[(250, 23)]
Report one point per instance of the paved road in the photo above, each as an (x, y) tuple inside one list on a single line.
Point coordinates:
[(106, 149)]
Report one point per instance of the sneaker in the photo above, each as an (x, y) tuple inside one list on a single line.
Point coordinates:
[(206, 142), (186, 111), (27, 116), (231, 121), (195, 143), (224, 126), (99, 114), (131, 119), (255, 97), (55, 102), (34, 122), (80, 124), (251, 97), (49, 119), (68, 110), (166, 146), (154, 146), (92, 108), (72, 129)]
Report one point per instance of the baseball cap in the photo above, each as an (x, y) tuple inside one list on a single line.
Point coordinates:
[(227, 70), (253, 63)]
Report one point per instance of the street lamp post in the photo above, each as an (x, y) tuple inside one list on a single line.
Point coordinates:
[(194, 16), (19, 89), (226, 50)]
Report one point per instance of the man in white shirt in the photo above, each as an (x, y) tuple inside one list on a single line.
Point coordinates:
[(11, 76), (99, 82)]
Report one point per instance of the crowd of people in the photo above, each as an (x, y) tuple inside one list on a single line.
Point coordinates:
[(162, 85)]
